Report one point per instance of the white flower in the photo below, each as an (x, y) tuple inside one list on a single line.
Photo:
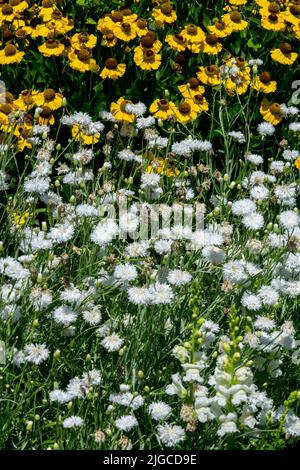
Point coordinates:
[(243, 207), (228, 424), (61, 233), (213, 254), (259, 192), (112, 342), (254, 221), (104, 232), (93, 315), (268, 295), (60, 396), (264, 323), (139, 295), (159, 410), (160, 293), (265, 128), (86, 210), (239, 136), (37, 184), (251, 301), (125, 272), (177, 277), (289, 219), (255, 159), (36, 353), (72, 422), (126, 423), (170, 435)]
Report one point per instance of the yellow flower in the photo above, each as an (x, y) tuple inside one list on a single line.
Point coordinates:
[(292, 14), (237, 2), (199, 103), (109, 39), (162, 109), (296, 31), (186, 112), (5, 110), (7, 14), (146, 59), (158, 165), (119, 111), (50, 99), (297, 163), (26, 101), (81, 60), (23, 144), (149, 41), (81, 135), (112, 69), (125, 31), (235, 20), (46, 10), (240, 81), (191, 89), (209, 75), (211, 45), (164, 14), (51, 48), (264, 83), (273, 22), (83, 40), (141, 27), (176, 41), (192, 34), (284, 54), (220, 29), (271, 112), (19, 6), (128, 16), (21, 219), (58, 24), (11, 55), (46, 116)]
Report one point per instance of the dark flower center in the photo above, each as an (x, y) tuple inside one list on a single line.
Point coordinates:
[(49, 94), (193, 82), (235, 16), (126, 27), (192, 30), (166, 9), (285, 47), (265, 77), (111, 63), (184, 108), (10, 50), (163, 105), (84, 55), (211, 39)]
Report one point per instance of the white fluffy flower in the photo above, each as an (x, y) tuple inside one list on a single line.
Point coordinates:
[(159, 410), (72, 422), (126, 423), (170, 435)]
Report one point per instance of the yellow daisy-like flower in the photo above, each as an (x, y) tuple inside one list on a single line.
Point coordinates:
[(264, 83), (162, 109), (146, 59), (109, 39), (176, 41), (296, 31), (220, 29), (141, 27), (5, 110), (58, 24), (284, 54), (19, 6), (235, 20), (263, 3), (46, 10), (271, 112), (297, 163), (292, 14), (191, 89), (149, 41), (238, 84), (186, 112), (128, 15), (82, 61), (192, 34), (21, 219), (50, 99), (158, 165), (79, 134), (119, 111), (23, 144), (46, 116), (237, 3), (7, 14), (164, 14), (209, 75), (113, 69), (199, 103), (125, 31), (26, 100), (11, 55), (211, 45), (52, 47), (83, 39), (273, 22)]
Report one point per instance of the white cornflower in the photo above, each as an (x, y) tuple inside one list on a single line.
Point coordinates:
[(61, 233), (150, 180), (125, 272), (243, 207), (160, 293), (92, 316), (129, 222), (170, 435), (292, 425), (60, 396), (64, 315), (251, 302), (163, 246), (265, 128), (255, 159), (112, 342), (253, 221), (277, 166), (36, 353), (159, 410), (38, 185), (294, 126), (104, 232), (268, 295), (259, 192), (238, 136), (143, 123), (83, 156), (290, 155), (177, 277), (139, 295), (86, 210), (72, 422), (264, 323), (138, 109), (129, 156), (126, 423), (289, 219), (213, 254)]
